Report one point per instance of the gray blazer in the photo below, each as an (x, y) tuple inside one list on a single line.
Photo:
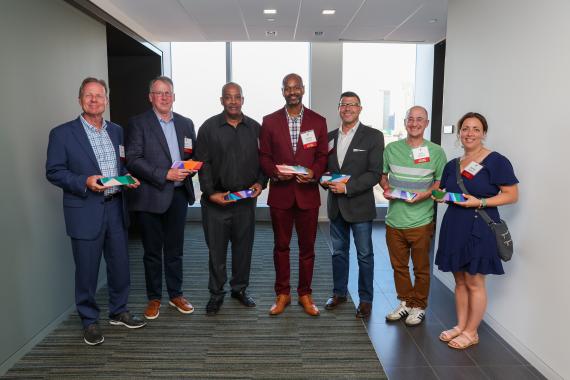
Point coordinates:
[(148, 159), (363, 161)]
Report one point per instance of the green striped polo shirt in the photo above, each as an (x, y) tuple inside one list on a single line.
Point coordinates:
[(406, 175)]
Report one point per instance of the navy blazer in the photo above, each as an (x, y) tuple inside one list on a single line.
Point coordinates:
[(148, 159), (70, 160), (363, 161)]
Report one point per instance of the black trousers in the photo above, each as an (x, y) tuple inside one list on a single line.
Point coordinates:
[(163, 236), (233, 223)]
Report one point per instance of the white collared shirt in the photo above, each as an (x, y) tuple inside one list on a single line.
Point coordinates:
[(343, 142)]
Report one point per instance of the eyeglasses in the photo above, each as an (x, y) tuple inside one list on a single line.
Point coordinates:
[(347, 105), (167, 94), (410, 120)]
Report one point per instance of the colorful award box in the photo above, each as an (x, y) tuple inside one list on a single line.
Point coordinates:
[(335, 177), (116, 181), (401, 194), (291, 169), (238, 195), (189, 165), (449, 197)]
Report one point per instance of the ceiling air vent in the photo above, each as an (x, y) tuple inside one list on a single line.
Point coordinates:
[(270, 33), (319, 34)]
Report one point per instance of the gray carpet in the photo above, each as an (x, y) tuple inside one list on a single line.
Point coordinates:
[(238, 343)]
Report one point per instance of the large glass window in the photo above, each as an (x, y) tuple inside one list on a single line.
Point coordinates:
[(198, 72), (259, 67), (383, 75)]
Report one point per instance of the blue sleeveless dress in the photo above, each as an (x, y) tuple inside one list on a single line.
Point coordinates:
[(466, 243)]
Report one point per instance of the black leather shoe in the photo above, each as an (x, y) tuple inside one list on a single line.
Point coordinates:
[(334, 301), (244, 298), (364, 310), (214, 305)]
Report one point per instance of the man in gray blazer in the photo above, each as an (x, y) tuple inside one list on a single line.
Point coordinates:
[(355, 150), (155, 139)]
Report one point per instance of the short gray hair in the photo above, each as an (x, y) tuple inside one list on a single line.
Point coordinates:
[(88, 80), (160, 78)]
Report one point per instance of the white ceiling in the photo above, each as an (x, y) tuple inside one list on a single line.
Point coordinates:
[(296, 20)]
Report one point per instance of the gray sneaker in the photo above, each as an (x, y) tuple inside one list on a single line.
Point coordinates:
[(92, 335), (399, 312), (126, 319), (416, 316)]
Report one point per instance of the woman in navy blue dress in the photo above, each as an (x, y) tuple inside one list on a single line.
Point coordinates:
[(467, 245)]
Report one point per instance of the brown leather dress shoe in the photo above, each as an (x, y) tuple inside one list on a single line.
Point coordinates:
[(310, 308), (181, 304), (152, 309), (280, 304), (334, 301), (364, 310)]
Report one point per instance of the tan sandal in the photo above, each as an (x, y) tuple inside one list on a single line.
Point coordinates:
[(463, 341), (448, 335)]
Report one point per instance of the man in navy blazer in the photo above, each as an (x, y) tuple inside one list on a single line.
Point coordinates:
[(80, 152), (155, 139), (355, 150)]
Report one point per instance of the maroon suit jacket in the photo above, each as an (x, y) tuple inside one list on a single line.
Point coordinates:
[(275, 148)]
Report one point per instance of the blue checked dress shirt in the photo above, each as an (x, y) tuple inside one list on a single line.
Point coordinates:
[(294, 127), (104, 151)]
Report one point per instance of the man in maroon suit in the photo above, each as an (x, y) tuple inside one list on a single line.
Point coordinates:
[(294, 135)]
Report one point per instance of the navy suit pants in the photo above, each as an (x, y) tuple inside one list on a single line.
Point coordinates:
[(112, 244)]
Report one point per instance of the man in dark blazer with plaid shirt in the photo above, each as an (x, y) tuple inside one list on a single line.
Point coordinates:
[(155, 139)]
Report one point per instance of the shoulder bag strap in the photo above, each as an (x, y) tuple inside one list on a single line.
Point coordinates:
[(461, 185)]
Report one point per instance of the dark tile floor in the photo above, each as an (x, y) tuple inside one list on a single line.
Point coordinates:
[(416, 352)]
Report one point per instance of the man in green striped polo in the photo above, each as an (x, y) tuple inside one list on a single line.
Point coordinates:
[(412, 165)]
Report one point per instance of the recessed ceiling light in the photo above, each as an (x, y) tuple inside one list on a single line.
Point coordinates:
[(270, 11), (433, 21), (329, 11), (270, 19)]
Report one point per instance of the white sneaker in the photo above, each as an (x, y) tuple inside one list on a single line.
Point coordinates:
[(400, 312), (416, 316)]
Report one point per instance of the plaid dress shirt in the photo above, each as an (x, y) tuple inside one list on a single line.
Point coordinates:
[(104, 151), (294, 127)]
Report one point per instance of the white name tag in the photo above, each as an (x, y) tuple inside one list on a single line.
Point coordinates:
[(187, 145), (421, 154), (309, 139), (121, 152), (471, 170)]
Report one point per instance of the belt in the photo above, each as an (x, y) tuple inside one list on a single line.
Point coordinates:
[(110, 197)]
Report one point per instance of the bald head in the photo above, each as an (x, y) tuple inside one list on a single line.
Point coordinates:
[(293, 76), (417, 108)]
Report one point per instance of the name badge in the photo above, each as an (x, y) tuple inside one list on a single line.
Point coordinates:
[(187, 145), (121, 152), (471, 170), (331, 145), (421, 154), (309, 139)]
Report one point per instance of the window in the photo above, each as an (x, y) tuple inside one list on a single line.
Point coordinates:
[(198, 72), (259, 68), (383, 75)]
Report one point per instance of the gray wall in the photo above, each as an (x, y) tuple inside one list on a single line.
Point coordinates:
[(48, 47), (509, 60)]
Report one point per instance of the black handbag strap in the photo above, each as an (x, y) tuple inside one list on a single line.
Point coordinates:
[(461, 185)]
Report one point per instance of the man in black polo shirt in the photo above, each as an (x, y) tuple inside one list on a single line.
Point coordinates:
[(227, 145)]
